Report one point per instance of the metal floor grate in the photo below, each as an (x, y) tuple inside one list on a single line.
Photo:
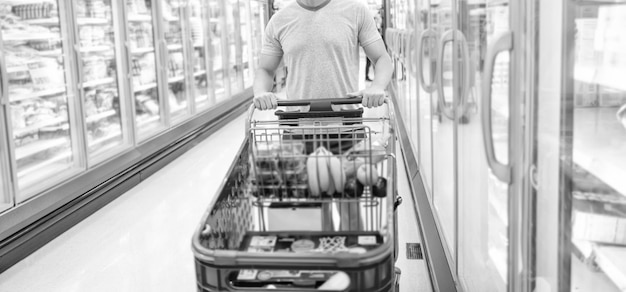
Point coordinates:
[(414, 251)]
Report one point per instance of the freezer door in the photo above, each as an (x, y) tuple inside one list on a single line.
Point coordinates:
[(6, 193), (199, 26), (483, 233), (443, 124), (142, 39), (581, 147), (426, 64), (245, 30), (99, 80), (219, 48), (173, 23), (44, 145), (234, 46)]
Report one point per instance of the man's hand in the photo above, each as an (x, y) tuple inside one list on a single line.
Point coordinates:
[(265, 101), (372, 96)]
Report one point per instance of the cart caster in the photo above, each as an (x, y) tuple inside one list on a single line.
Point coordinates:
[(398, 273)]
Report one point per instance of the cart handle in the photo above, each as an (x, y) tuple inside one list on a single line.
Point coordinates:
[(321, 104)]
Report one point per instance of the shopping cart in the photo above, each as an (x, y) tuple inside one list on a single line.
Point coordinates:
[(308, 204)]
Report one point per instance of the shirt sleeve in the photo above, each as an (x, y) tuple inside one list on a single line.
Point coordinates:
[(271, 44), (368, 33)]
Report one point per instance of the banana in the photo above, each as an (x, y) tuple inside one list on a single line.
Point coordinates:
[(337, 173), (311, 169), (322, 169), (317, 170)]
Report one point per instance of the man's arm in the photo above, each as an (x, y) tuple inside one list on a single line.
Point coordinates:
[(375, 94), (264, 98)]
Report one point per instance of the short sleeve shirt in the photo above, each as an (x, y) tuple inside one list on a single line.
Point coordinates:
[(320, 46)]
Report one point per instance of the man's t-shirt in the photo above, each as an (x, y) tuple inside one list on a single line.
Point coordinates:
[(320, 46)]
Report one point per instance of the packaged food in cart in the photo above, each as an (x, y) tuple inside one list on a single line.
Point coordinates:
[(308, 205)]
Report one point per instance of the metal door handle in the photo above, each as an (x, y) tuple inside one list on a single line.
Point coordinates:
[(467, 75), (503, 43), (447, 37), (426, 34)]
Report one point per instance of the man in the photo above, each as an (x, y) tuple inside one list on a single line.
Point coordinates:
[(319, 41)]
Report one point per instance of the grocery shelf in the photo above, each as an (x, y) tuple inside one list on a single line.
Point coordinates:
[(149, 120), (599, 143), (144, 87), (38, 147), (100, 116), (174, 47), (175, 79), (104, 139), (198, 46), (610, 77), (141, 51), (199, 73), (51, 53), (610, 259), (139, 18), (36, 127), (52, 21), (92, 21), (22, 37), (98, 82), (96, 49), (39, 166), (36, 94)]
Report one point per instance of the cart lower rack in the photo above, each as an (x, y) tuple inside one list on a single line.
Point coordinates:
[(308, 205)]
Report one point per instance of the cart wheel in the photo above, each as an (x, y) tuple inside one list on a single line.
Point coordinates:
[(398, 272)]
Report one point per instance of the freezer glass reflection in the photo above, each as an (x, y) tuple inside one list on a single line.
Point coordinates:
[(142, 41), (427, 58), (36, 87), (176, 62), (98, 76), (245, 29), (595, 163)]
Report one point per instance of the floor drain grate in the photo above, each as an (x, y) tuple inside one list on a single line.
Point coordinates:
[(414, 251)]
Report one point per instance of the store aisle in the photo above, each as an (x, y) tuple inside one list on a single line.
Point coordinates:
[(142, 240)]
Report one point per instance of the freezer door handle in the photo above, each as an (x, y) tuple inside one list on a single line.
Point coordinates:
[(449, 37), (503, 43), (4, 88), (427, 34)]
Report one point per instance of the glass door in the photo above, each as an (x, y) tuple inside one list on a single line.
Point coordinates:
[(199, 25), (444, 184), (218, 47), (245, 30), (143, 63), (173, 22), (427, 65), (257, 22), (6, 194), (35, 83), (411, 64), (98, 78), (581, 148), (233, 45), (483, 238)]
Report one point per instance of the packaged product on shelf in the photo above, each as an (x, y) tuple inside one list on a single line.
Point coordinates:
[(585, 94), (610, 97)]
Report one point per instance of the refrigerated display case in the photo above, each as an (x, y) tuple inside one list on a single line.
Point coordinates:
[(36, 84), (245, 30), (142, 35), (103, 101), (258, 18), (581, 147), (173, 22)]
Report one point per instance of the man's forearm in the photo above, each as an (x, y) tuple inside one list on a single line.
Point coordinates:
[(383, 71), (263, 81)]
